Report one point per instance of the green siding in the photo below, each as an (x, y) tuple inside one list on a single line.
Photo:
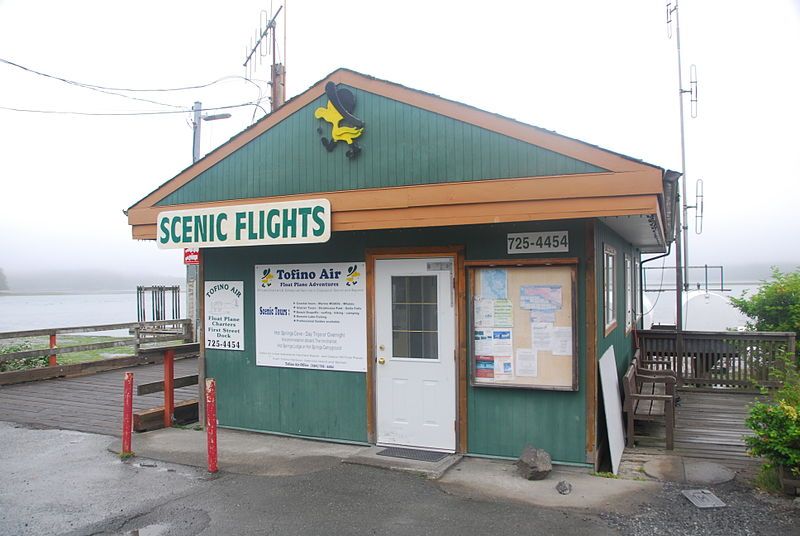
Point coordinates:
[(402, 145), (333, 405), (622, 342)]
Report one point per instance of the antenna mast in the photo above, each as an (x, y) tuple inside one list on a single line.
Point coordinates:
[(268, 30), (693, 92)]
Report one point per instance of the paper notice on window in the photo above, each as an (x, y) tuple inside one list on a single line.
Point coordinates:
[(542, 336), (561, 341), (503, 313), (527, 362), (543, 316), (484, 313), (503, 368), (494, 283), (483, 342), (502, 345), (540, 297)]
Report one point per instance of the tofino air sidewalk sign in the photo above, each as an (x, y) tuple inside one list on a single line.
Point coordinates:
[(291, 222)]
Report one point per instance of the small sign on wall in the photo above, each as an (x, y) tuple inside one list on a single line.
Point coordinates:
[(224, 315), (548, 242), (191, 255)]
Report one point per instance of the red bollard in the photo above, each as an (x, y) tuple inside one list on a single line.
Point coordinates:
[(52, 361), (169, 387), (211, 423), (127, 414)]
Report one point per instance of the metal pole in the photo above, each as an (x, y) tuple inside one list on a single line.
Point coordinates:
[(211, 424), (169, 387), (197, 109), (684, 207), (127, 414)]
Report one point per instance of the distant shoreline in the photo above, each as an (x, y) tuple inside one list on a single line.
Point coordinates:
[(61, 292)]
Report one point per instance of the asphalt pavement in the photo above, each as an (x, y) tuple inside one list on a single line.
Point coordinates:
[(66, 482)]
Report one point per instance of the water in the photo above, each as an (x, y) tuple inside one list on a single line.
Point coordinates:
[(36, 311), (25, 311)]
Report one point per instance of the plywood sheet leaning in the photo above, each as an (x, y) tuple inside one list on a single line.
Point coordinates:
[(613, 407)]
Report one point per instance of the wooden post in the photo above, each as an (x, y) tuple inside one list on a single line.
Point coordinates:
[(52, 361), (211, 424), (127, 414), (169, 388), (137, 343)]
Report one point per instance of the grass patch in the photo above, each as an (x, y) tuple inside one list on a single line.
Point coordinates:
[(767, 479), (41, 343), (604, 474)]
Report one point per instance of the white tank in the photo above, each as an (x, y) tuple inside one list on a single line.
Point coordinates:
[(710, 311)]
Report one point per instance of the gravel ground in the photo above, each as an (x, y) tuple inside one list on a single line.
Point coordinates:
[(748, 512)]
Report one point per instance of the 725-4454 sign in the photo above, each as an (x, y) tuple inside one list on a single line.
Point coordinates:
[(549, 242)]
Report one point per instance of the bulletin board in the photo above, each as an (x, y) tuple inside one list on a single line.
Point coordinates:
[(523, 326)]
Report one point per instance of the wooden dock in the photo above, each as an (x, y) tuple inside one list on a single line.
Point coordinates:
[(709, 426), (87, 403)]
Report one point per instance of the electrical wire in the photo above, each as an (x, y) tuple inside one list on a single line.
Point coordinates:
[(99, 89), (660, 287), (131, 90), (114, 114)]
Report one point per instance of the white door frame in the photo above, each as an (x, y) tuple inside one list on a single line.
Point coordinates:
[(456, 254)]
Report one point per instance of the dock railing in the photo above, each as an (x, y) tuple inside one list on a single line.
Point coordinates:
[(141, 337), (729, 360)]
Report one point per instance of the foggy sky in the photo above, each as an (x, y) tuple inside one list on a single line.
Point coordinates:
[(603, 72)]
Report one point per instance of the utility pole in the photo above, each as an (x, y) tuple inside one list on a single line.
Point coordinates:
[(193, 270), (197, 109)]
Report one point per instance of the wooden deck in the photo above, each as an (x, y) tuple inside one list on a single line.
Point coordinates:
[(87, 403), (709, 426)]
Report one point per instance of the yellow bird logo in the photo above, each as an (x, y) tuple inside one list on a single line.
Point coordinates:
[(267, 277), (352, 276), (339, 113)]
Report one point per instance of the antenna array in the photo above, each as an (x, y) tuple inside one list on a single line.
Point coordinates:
[(264, 44)]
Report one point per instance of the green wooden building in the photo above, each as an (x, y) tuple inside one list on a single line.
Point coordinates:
[(384, 266)]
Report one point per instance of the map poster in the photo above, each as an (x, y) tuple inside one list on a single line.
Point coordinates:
[(224, 315), (494, 284), (311, 316)]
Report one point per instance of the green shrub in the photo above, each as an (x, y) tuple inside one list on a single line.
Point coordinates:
[(21, 364), (776, 304), (776, 423)]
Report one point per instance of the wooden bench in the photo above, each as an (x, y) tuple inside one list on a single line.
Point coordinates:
[(649, 396)]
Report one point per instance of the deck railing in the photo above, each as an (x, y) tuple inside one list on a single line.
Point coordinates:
[(731, 360), (141, 337)]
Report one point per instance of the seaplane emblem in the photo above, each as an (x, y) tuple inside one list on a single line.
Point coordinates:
[(339, 113)]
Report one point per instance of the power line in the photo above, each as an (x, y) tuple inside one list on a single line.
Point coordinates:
[(132, 90), (116, 114), (99, 89)]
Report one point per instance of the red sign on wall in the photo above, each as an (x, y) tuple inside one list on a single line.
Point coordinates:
[(191, 256)]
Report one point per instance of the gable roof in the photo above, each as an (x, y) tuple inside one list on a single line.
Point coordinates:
[(583, 171)]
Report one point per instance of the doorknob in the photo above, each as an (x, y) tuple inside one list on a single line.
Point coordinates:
[(381, 361)]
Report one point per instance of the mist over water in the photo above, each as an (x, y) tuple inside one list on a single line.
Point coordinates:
[(26, 311)]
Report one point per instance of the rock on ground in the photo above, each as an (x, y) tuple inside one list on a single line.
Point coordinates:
[(534, 464)]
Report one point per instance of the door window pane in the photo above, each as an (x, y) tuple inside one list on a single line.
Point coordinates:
[(415, 317)]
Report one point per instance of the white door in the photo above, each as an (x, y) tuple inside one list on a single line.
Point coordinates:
[(415, 370)]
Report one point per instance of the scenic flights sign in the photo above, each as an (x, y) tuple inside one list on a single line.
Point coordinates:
[(292, 222)]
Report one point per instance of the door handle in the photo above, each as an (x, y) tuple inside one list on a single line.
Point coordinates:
[(381, 361)]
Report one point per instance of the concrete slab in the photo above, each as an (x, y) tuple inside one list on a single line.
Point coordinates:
[(688, 471), (247, 453), (483, 479), (430, 470)]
